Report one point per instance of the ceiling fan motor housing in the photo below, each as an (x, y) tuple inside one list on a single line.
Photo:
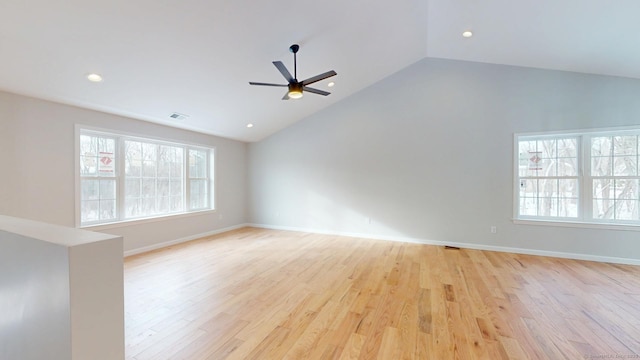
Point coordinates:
[(295, 87)]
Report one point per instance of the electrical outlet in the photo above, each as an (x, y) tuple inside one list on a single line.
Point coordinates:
[(494, 229)]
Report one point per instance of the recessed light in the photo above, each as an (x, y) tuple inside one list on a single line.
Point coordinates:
[(94, 78), (249, 125), (331, 84), (467, 34)]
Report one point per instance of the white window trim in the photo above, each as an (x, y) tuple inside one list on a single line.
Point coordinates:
[(151, 219), (213, 194), (585, 191), (577, 224)]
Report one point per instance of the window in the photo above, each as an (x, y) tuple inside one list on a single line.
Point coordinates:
[(548, 177), (614, 177), (98, 178), (125, 178), (579, 177)]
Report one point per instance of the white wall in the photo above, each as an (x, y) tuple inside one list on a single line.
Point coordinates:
[(37, 160), (426, 155)]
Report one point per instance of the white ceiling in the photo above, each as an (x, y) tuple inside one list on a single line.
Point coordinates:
[(196, 57)]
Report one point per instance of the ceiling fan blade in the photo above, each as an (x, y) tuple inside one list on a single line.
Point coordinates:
[(317, 78), (286, 96), (283, 70), (315, 91), (266, 84)]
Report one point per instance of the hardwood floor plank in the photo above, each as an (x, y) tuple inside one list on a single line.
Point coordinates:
[(389, 345), (512, 348), (408, 330), (273, 340), (317, 329), (268, 294), (423, 349), (353, 347)]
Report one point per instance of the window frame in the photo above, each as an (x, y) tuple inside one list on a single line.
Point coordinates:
[(120, 176), (547, 137), (189, 178), (584, 217), (97, 176)]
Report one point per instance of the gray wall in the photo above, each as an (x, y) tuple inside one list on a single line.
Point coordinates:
[(426, 155), (37, 163), (35, 316)]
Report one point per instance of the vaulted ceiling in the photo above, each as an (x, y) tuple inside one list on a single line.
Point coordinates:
[(196, 57)]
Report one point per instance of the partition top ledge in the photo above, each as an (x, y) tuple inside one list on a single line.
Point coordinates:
[(61, 235)]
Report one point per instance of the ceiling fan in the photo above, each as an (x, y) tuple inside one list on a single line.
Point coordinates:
[(296, 87)]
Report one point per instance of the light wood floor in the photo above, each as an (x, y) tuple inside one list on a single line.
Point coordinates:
[(264, 294)]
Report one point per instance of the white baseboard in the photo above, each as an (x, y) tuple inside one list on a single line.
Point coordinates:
[(181, 240), (564, 255)]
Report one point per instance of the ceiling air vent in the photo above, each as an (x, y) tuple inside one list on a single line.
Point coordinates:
[(178, 116)]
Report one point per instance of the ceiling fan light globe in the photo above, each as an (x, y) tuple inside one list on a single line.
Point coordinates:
[(295, 94)]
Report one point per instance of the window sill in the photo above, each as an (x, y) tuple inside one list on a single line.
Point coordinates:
[(578, 224), (132, 222)]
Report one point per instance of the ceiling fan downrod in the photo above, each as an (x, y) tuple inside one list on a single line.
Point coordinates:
[(294, 49)]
